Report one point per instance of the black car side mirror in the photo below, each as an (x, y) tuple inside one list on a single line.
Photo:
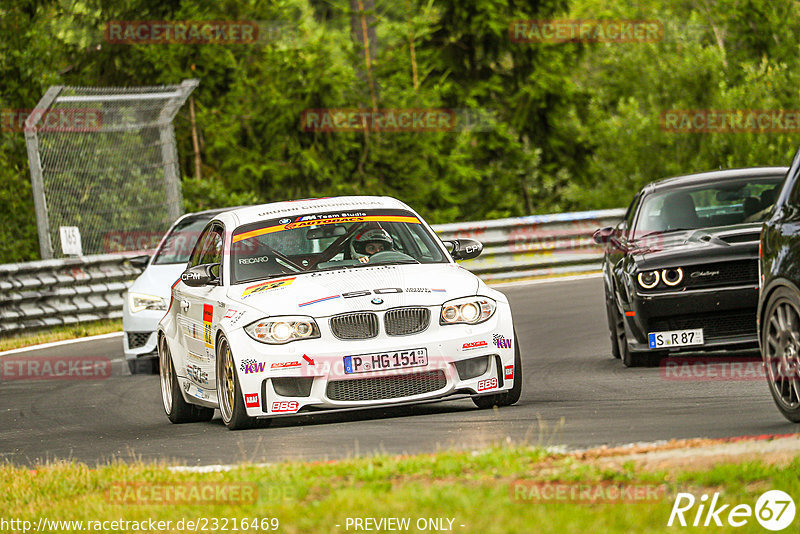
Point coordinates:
[(464, 249), (139, 261), (201, 275), (603, 235)]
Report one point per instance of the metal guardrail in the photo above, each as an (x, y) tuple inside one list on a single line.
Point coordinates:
[(66, 291), (537, 245), (61, 292)]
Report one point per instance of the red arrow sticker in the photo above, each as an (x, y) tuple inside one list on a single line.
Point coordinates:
[(309, 360)]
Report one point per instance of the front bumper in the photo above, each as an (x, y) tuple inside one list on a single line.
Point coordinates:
[(140, 340), (317, 366), (726, 315)]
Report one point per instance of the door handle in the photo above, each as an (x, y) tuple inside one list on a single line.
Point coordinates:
[(184, 305)]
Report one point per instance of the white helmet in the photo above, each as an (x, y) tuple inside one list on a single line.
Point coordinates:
[(374, 236)]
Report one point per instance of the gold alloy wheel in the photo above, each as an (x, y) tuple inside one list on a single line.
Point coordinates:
[(227, 381), (165, 372)]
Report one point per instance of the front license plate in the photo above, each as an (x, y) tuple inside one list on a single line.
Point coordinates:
[(675, 338), (382, 361)]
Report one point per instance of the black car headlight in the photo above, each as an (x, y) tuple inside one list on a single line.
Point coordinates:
[(672, 277), (648, 279), (467, 310), (280, 330)]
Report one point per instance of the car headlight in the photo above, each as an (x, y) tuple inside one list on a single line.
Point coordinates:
[(672, 277), (280, 330), (648, 279), (139, 301), (468, 310)]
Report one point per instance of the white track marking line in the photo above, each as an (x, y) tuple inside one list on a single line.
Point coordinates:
[(554, 279), (60, 343)]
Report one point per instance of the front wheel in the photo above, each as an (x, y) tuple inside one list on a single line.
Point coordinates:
[(614, 326), (512, 395), (635, 359), (177, 410), (780, 351), (229, 392)]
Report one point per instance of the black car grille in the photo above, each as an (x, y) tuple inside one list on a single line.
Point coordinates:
[(386, 387), (355, 325), (721, 274), (715, 325), (406, 321), (137, 339)]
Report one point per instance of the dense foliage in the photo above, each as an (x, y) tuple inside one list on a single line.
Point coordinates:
[(576, 125)]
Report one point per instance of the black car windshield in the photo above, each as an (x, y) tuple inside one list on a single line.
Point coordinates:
[(181, 239), (333, 240), (724, 203)]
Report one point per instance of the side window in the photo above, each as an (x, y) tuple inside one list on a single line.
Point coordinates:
[(212, 247), (794, 194), (631, 214), (194, 259)]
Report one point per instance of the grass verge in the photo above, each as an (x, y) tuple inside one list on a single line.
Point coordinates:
[(60, 333), (474, 489)]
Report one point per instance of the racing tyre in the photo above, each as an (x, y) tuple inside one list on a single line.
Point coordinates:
[(614, 325), (177, 409), (634, 358), (229, 392), (512, 395), (143, 366), (780, 351)]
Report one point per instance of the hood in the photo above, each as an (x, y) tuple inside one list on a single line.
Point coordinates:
[(327, 293), (158, 279), (698, 246)]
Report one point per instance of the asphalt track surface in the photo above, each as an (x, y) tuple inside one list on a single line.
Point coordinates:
[(574, 395)]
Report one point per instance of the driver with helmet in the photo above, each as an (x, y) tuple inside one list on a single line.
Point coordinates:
[(370, 242)]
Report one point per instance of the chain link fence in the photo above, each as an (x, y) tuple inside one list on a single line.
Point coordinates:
[(105, 161)]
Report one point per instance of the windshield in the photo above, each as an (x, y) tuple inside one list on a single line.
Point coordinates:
[(181, 240), (731, 202), (334, 240)]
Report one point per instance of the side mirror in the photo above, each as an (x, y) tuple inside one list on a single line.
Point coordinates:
[(603, 235), (464, 249), (201, 275), (139, 261)]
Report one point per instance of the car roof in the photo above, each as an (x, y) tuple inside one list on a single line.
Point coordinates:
[(288, 208), (713, 176)]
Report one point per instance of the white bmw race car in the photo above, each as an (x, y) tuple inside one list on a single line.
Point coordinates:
[(325, 304)]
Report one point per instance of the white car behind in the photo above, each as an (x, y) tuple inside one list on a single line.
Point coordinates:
[(146, 300)]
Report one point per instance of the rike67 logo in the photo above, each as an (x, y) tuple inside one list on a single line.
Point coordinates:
[(774, 510)]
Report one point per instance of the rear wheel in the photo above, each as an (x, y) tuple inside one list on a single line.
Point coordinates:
[(177, 409), (780, 351), (229, 392), (512, 395)]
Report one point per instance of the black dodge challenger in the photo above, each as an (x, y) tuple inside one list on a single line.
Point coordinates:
[(681, 269)]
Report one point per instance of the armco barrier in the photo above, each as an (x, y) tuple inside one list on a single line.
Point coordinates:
[(66, 291), (537, 245)]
